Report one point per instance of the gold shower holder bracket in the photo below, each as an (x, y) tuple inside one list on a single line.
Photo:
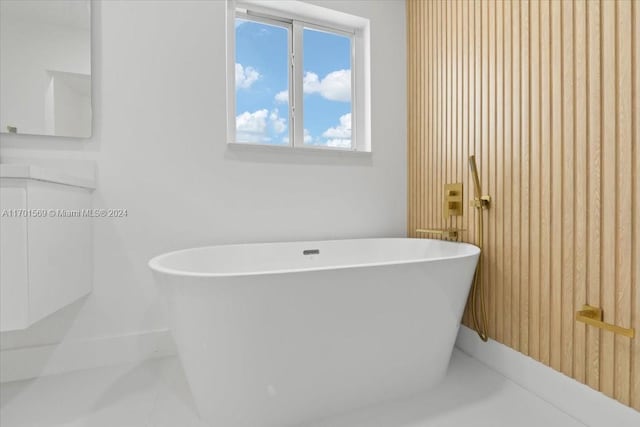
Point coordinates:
[(481, 202), (593, 316)]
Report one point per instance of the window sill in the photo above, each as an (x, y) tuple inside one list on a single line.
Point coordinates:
[(332, 151)]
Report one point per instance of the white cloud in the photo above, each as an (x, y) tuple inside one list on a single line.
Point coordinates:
[(282, 97), (277, 122), (252, 122), (251, 127), (245, 77), (335, 86), (339, 136), (343, 130), (254, 127), (311, 82)]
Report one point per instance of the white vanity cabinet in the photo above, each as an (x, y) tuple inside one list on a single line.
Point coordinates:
[(45, 243)]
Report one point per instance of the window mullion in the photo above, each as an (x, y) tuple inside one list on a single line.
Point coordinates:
[(298, 88), (290, 105), (354, 98)]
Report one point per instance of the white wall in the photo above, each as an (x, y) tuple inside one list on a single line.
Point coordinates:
[(159, 145)]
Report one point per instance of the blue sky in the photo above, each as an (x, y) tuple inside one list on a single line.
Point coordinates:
[(262, 85)]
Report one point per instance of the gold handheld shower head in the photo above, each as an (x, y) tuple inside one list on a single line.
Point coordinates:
[(474, 174), (479, 201)]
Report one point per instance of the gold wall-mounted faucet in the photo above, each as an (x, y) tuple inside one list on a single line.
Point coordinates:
[(452, 206)]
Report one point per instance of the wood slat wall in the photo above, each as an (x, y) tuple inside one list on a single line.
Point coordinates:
[(545, 94)]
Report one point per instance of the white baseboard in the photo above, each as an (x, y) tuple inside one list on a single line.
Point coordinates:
[(31, 362), (588, 406)]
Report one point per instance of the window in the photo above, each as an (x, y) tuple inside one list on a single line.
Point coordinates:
[(327, 83), (296, 81)]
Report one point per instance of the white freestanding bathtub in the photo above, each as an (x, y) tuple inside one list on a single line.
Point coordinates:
[(278, 334)]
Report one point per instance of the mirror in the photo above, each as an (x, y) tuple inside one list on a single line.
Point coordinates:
[(45, 67)]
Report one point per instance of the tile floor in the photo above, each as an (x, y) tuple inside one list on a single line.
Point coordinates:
[(155, 393)]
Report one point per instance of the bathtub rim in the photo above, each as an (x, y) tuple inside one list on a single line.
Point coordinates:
[(155, 263)]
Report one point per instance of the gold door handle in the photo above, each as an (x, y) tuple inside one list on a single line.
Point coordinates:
[(593, 316)]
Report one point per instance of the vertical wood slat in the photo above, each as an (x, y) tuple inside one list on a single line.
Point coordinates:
[(507, 178), (581, 148), (420, 110), (594, 188), (546, 143), (455, 73), (416, 72), (567, 190), (491, 225), (447, 96), (516, 193), (546, 95), (441, 110), (450, 100), (434, 108), (557, 201), (609, 143), (411, 172), (458, 144), (525, 187), (624, 199), (441, 115), (536, 138), (635, 290), (499, 183)]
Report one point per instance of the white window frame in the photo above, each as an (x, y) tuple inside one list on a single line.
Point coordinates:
[(296, 16)]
